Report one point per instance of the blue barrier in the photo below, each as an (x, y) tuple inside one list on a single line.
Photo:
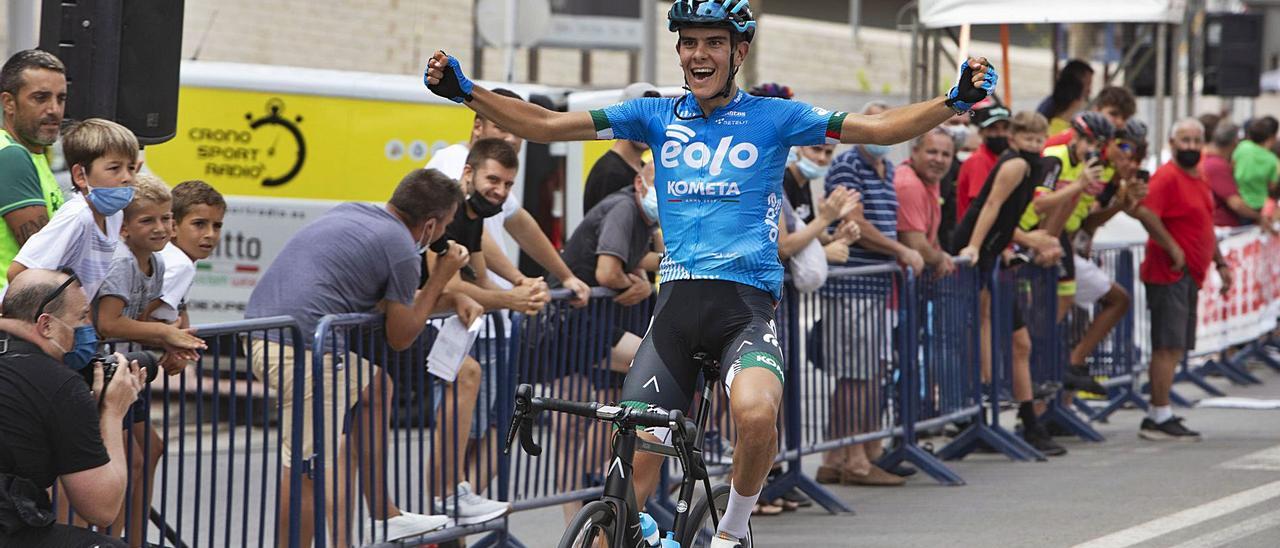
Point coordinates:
[(217, 479), (410, 449), (1118, 358)]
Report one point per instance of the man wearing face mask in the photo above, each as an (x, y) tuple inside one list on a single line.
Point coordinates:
[(1183, 204), (992, 120), (812, 163), (57, 427), (357, 258)]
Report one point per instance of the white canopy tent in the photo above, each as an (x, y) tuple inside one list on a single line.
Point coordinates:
[(941, 14), (953, 13)]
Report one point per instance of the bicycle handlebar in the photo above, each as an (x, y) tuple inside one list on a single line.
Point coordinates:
[(528, 407)]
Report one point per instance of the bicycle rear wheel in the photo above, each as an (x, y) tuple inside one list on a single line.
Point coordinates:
[(699, 529), (591, 527)]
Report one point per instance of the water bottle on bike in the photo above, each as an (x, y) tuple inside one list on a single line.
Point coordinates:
[(649, 530)]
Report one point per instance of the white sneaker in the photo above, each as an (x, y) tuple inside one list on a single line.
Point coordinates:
[(405, 525), (469, 508)]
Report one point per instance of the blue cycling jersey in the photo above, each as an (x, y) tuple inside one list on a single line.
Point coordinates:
[(719, 178)]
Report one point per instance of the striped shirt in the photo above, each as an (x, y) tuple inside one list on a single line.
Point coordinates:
[(879, 200)]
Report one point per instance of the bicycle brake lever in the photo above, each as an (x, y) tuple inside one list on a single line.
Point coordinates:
[(526, 437)]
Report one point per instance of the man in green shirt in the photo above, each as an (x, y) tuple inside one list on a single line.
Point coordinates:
[(33, 91), (1255, 164)]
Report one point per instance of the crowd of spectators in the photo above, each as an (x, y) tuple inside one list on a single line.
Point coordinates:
[(117, 258)]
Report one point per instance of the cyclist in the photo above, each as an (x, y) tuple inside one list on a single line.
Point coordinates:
[(719, 156)]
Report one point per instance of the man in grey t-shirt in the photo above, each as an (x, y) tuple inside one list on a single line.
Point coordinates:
[(356, 258)]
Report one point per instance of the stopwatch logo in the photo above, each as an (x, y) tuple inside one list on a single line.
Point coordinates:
[(285, 130)]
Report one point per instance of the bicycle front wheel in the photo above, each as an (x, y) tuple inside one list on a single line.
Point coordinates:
[(591, 527), (699, 529)]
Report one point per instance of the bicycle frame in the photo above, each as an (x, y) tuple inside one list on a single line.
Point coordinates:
[(618, 489)]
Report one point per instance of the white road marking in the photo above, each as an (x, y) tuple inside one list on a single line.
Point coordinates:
[(1228, 535), (1162, 526), (1266, 459)]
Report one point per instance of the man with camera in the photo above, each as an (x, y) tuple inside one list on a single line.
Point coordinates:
[(57, 426)]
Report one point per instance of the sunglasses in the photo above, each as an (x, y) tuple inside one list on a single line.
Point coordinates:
[(71, 278)]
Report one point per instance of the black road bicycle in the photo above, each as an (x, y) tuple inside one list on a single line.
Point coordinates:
[(613, 520)]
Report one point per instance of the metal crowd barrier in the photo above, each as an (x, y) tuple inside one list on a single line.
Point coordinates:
[(565, 351), (1118, 358), (402, 441), (217, 477)]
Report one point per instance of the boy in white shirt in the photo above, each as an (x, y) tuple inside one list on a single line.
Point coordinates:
[(198, 210), (132, 283), (103, 157)]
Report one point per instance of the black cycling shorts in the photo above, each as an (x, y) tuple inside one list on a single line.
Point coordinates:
[(727, 320)]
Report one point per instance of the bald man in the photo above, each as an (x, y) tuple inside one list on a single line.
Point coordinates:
[(55, 427)]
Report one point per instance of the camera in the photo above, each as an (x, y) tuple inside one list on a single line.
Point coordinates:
[(146, 359)]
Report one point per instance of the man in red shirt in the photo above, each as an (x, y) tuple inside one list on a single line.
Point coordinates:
[(1180, 197), (992, 119), (919, 198), (1229, 208), (1114, 102)]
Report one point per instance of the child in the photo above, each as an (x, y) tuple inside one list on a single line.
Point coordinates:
[(133, 281), (103, 157), (198, 210)]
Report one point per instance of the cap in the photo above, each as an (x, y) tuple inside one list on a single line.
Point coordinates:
[(989, 112), (638, 90)]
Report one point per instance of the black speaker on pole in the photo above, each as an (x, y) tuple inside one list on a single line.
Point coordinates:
[(1233, 54), (122, 59)]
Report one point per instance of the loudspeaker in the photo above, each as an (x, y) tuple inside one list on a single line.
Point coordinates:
[(1233, 54), (122, 59), (1143, 80)]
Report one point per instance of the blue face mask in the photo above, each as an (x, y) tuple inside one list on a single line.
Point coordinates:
[(109, 201), (877, 151), (650, 204), (811, 170), (86, 345)]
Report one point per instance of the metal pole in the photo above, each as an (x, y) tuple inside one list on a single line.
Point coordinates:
[(1194, 39), (914, 72), (23, 24), (648, 43), (1175, 90), (1162, 33), (513, 11)]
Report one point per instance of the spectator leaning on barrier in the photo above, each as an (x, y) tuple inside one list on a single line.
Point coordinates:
[(1255, 165), (916, 182), (1180, 198), (1070, 93), (1229, 208), (617, 168), (56, 428), (512, 219), (984, 235), (612, 247), (356, 258), (33, 90), (864, 169), (487, 179), (992, 120), (198, 211), (83, 234), (133, 283)]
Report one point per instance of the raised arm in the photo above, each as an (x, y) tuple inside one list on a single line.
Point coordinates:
[(897, 125), (444, 77)]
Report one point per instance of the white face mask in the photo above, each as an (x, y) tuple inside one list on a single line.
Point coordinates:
[(963, 155)]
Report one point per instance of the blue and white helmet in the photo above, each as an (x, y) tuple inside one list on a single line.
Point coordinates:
[(734, 15)]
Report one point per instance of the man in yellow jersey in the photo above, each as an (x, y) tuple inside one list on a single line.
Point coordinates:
[(33, 90)]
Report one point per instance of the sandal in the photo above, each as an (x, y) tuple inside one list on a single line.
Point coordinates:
[(786, 505), (766, 509)]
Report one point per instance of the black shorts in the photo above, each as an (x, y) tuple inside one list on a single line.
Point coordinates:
[(728, 320), (1173, 313), (1018, 321)]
